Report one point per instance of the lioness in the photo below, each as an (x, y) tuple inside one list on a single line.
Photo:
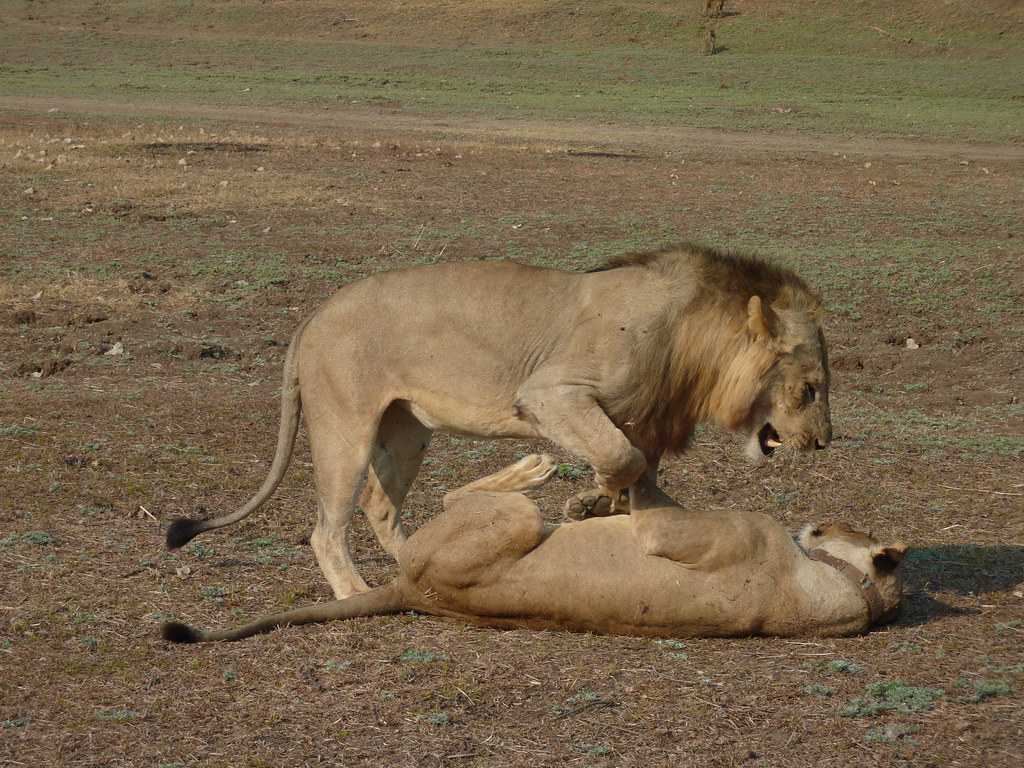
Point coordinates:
[(617, 365), (490, 560)]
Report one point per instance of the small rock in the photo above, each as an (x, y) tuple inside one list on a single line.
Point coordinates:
[(911, 344), (117, 349)]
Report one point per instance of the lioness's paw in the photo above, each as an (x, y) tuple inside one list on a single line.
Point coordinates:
[(598, 502)]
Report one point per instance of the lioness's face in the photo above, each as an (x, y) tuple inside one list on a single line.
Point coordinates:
[(792, 410), (862, 550)]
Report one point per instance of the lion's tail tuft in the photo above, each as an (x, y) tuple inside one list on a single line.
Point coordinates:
[(182, 530), (175, 632)]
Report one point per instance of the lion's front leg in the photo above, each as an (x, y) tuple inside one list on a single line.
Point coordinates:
[(602, 502), (571, 416), (597, 502)]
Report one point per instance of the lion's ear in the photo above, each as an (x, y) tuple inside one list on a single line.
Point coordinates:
[(761, 320), (887, 558)]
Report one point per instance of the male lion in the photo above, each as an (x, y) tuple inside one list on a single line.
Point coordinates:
[(617, 365), (663, 571)]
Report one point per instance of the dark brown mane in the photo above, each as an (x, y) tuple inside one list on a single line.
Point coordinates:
[(688, 366), (727, 274)]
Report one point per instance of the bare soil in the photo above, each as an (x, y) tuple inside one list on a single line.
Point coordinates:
[(153, 271)]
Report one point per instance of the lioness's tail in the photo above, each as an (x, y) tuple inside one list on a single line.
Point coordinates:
[(184, 529), (376, 602)]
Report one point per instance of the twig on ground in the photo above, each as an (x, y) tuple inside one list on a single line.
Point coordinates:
[(585, 705), (881, 31), (981, 490)]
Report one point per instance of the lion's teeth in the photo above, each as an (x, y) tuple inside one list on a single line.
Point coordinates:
[(773, 443)]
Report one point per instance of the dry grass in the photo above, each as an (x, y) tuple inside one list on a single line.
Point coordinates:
[(202, 286)]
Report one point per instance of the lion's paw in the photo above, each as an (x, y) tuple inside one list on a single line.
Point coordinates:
[(597, 502)]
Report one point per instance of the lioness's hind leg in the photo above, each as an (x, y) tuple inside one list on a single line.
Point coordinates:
[(527, 474), (398, 451)]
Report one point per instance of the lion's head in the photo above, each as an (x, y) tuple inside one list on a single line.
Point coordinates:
[(791, 407), (742, 346)]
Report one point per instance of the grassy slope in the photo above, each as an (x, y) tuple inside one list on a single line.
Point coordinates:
[(960, 78)]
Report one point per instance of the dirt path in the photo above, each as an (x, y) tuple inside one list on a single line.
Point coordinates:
[(579, 135)]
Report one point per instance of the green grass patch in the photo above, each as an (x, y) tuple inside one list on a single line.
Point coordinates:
[(422, 657), (767, 78), (892, 696)]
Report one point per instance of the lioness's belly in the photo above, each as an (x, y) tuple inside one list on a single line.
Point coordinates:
[(592, 576)]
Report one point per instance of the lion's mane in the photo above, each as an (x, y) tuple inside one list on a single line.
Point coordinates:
[(691, 364)]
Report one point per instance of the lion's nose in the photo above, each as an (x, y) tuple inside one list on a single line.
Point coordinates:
[(821, 443)]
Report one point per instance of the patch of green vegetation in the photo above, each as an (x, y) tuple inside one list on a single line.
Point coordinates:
[(576, 471), (891, 734), (435, 718), (213, 594), (199, 550), (983, 689), (117, 715), (819, 690), (17, 429), (1002, 669), (422, 657), (892, 696), (582, 698), (670, 643), (836, 666), (29, 539), (594, 750), (766, 77)]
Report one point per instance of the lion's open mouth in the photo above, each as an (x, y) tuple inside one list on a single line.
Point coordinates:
[(768, 439)]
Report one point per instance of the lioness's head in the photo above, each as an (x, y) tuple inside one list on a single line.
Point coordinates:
[(863, 551), (791, 409)]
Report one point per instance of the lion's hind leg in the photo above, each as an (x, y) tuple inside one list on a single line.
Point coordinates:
[(528, 474), (398, 451), (341, 440)]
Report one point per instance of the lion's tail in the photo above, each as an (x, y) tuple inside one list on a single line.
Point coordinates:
[(376, 602), (184, 529)]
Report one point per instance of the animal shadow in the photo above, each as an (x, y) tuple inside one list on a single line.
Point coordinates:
[(961, 569)]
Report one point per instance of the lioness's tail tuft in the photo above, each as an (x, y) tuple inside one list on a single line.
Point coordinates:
[(182, 530), (175, 632)]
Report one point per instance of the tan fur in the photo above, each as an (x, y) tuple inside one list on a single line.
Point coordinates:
[(709, 46), (713, 7), (617, 366), (663, 571), (701, 361)]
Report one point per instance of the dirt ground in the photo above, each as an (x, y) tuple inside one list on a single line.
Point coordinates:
[(153, 272)]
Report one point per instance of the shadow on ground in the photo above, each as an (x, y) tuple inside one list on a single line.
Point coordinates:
[(967, 570)]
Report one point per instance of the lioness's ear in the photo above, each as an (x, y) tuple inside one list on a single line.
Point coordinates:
[(760, 319), (887, 558)]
